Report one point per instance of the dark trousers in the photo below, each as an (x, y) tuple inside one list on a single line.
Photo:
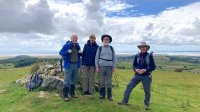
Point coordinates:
[(146, 82)]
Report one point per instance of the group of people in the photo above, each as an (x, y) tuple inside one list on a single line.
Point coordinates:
[(102, 60)]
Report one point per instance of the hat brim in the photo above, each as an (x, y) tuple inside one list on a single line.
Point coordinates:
[(148, 47), (103, 36)]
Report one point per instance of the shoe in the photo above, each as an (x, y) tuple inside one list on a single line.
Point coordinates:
[(110, 99), (109, 94), (66, 99), (84, 93), (122, 103), (65, 92), (89, 93), (146, 107), (74, 96), (72, 91), (102, 97), (102, 93)]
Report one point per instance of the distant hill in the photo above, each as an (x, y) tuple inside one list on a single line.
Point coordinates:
[(25, 60)]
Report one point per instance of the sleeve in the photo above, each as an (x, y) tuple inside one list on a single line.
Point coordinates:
[(83, 55), (152, 65), (63, 51), (79, 48), (135, 62), (114, 59), (97, 58)]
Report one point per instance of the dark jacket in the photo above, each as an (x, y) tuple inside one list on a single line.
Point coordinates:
[(142, 63), (89, 52), (64, 53)]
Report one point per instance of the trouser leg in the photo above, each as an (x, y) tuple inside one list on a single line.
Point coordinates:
[(131, 85)]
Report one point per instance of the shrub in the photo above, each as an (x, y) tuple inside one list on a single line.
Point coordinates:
[(178, 70), (34, 68)]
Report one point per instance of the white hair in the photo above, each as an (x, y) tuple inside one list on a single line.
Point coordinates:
[(74, 36)]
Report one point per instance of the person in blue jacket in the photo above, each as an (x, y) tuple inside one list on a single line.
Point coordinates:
[(71, 53), (88, 62), (143, 65)]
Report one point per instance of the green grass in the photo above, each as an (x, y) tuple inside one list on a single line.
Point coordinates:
[(7, 65), (171, 92)]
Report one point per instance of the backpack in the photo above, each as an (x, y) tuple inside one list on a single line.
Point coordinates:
[(35, 81), (100, 48), (147, 58)]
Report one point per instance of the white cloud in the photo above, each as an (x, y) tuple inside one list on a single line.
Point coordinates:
[(17, 17), (116, 5), (45, 26), (176, 26)]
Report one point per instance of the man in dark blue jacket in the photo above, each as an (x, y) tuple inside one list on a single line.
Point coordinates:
[(88, 62), (143, 65), (71, 53)]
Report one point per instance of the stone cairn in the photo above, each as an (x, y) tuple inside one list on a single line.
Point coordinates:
[(52, 77)]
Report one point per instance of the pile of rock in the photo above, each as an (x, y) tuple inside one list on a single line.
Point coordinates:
[(52, 78), (51, 74), (50, 69)]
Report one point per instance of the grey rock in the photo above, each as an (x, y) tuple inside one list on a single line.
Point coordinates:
[(52, 83)]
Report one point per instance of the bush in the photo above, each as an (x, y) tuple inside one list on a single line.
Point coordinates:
[(34, 68), (178, 70)]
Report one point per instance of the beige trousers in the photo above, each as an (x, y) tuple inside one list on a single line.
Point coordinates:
[(88, 78)]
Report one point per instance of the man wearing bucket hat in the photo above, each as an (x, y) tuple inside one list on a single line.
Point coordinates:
[(105, 63), (143, 65)]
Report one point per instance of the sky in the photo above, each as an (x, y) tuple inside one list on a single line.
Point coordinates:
[(43, 26)]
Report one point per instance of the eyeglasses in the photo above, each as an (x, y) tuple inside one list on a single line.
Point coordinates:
[(105, 39)]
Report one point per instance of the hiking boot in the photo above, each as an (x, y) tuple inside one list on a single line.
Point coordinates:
[(122, 103), (110, 99), (109, 95), (66, 99), (146, 107), (72, 91), (102, 97), (65, 92), (85, 93), (89, 93), (102, 93), (74, 96)]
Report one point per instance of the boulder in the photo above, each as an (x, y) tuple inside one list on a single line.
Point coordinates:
[(40, 71), (60, 75), (24, 81), (50, 67), (46, 71), (53, 72), (52, 83)]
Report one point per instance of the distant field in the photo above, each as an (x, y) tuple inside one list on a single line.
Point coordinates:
[(171, 92), (166, 65)]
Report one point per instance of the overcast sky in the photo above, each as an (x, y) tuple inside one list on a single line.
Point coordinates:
[(43, 26)]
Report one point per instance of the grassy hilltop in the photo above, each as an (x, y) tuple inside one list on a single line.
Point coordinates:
[(171, 92)]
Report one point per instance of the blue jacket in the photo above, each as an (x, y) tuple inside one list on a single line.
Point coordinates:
[(89, 53), (64, 53), (143, 65)]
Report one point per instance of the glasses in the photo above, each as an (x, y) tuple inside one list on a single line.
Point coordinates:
[(142, 46), (105, 39)]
